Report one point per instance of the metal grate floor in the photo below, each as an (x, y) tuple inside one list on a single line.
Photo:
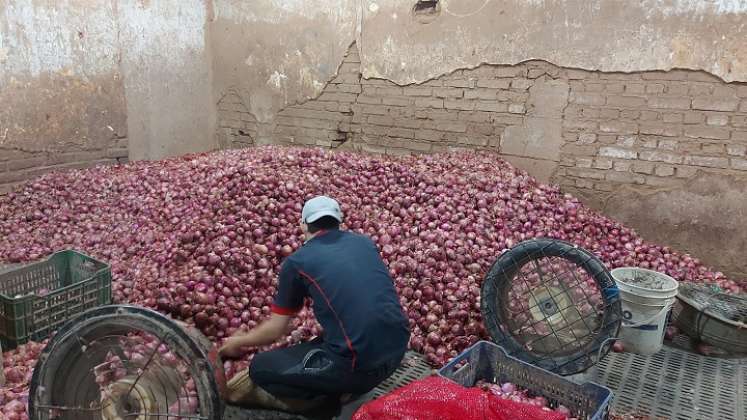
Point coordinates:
[(676, 384)]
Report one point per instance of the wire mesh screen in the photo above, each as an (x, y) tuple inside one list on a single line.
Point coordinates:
[(551, 304), (115, 368)]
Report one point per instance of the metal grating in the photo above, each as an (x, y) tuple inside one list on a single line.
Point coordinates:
[(676, 384), (412, 368)]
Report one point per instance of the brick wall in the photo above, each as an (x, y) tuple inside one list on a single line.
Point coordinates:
[(17, 165), (654, 129), (654, 149), (237, 126)]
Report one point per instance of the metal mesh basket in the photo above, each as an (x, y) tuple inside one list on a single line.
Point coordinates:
[(551, 304), (716, 318)]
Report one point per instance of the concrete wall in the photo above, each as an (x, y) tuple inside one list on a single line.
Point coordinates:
[(61, 88), (87, 82), (579, 93)]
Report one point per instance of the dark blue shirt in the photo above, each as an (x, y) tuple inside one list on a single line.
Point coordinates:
[(354, 297)]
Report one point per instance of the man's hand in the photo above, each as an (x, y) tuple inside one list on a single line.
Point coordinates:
[(232, 348)]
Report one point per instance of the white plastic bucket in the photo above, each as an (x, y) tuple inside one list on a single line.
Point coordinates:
[(647, 297)]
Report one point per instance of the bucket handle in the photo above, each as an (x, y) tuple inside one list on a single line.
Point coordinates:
[(663, 311)]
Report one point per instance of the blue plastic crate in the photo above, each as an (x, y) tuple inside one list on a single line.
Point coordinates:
[(489, 362)]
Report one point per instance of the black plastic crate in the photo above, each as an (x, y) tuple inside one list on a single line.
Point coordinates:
[(37, 298), (489, 362)]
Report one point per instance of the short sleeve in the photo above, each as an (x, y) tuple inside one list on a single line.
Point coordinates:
[(291, 291)]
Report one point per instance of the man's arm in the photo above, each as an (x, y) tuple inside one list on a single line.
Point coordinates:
[(266, 333)]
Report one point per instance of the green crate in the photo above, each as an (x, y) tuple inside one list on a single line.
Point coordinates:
[(75, 283)]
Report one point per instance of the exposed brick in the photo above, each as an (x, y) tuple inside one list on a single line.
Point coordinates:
[(419, 146), (736, 149), (593, 86), (657, 181), (579, 150), (714, 103), (672, 117), (483, 129), (700, 89), (657, 156), (433, 83), (647, 115), (587, 138), (584, 98), (625, 177), (739, 164), (709, 161), (686, 171), (512, 96), (622, 166), (583, 162), (432, 135), (455, 126), (494, 83), (448, 92), (607, 138), (655, 88), (688, 147), (429, 102), (418, 91), (373, 109), (368, 99), (677, 89), (643, 167), (521, 84), (395, 101), (626, 141), (617, 153), (609, 114), (713, 148), (18, 164), (337, 97), (635, 88), (665, 144), (724, 90), (741, 91), (516, 109), (461, 104), (507, 119), (664, 170), (618, 127), (461, 83), (693, 117), (657, 129), (475, 116), (573, 123), (604, 186), (575, 74), (348, 88), (739, 136), (586, 173), (535, 73), (437, 114), (602, 163), (614, 87), (491, 106), (662, 102), (481, 93), (707, 133), (380, 120), (739, 120)]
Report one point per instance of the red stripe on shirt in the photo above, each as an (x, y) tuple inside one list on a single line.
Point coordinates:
[(283, 311), (339, 321)]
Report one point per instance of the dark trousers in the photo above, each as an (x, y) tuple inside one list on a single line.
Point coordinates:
[(308, 371)]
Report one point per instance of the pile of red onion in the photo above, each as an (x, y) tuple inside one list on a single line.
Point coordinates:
[(202, 237)]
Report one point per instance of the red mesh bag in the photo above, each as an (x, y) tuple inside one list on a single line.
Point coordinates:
[(436, 398)]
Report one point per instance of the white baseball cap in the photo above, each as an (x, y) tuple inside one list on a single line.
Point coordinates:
[(319, 207)]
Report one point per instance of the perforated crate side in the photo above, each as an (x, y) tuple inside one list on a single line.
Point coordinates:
[(489, 362), (75, 283)]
